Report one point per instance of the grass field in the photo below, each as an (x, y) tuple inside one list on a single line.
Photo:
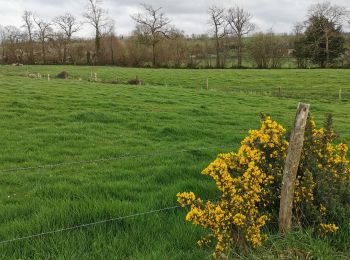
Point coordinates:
[(161, 135), (301, 84)]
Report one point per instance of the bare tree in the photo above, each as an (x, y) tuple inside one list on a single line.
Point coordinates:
[(11, 38), (179, 47), (27, 18), (152, 26), (299, 29), (218, 27), (97, 17), (334, 16), (2, 40), (68, 25), (240, 24), (44, 33), (334, 13), (110, 35)]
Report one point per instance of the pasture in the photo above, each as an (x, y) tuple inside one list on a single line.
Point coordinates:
[(112, 150)]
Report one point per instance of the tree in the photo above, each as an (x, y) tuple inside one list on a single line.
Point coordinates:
[(27, 18), (11, 38), (259, 50), (267, 50), (300, 46), (329, 19), (138, 53), (323, 46), (278, 49), (110, 35), (97, 17), (333, 13), (179, 48), (218, 28), (68, 26), (240, 24), (2, 40), (152, 27), (44, 32)]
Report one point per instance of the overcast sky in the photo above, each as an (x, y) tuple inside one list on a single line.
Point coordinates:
[(187, 15)]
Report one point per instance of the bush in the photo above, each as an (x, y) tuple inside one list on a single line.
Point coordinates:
[(62, 75), (250, 181)]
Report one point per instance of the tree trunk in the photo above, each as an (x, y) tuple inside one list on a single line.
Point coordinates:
[(65, 53), (97, 44), (154, 54), (112, 52), (217, 54), (31, 51), (327, 50), (43, 52), (239, 52)]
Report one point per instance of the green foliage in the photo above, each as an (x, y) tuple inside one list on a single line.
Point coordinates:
[(249, 182), (325, 160), (267, 50), (322, 43)]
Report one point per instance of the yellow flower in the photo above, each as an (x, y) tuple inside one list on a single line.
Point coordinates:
[(323, 210), (332, 228), (249, 182)]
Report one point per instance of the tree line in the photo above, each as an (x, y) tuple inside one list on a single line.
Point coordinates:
[(232, 41)]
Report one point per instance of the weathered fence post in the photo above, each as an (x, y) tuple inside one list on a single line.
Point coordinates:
[(291, 167), (340, 94), (207, 83)]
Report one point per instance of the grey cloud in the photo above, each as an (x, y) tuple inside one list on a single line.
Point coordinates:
[(188, 15)]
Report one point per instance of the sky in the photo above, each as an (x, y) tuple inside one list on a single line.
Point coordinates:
[(189, 16)]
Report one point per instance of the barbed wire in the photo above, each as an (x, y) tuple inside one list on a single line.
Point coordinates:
[(108, 159), (93, 224), (86, 225)]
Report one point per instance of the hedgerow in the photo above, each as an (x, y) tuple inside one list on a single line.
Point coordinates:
[(249, 182)]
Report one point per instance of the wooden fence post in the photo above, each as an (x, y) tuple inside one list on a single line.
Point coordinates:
[(291, 168), (340, 95)]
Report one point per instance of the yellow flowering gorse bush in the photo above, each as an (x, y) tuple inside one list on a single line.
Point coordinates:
[(249, 183)]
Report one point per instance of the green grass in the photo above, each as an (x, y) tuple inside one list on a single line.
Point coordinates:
[(59, 121), (300, 84)]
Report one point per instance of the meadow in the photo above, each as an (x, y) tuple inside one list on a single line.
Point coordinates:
[(117, 150)]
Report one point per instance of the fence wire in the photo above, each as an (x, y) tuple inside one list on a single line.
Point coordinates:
[(109, 159), (86, 225), (80, 226)]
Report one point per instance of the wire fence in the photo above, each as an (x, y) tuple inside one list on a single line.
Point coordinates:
[(109, 159), (80, 226), (271, 91), (85, 225)]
